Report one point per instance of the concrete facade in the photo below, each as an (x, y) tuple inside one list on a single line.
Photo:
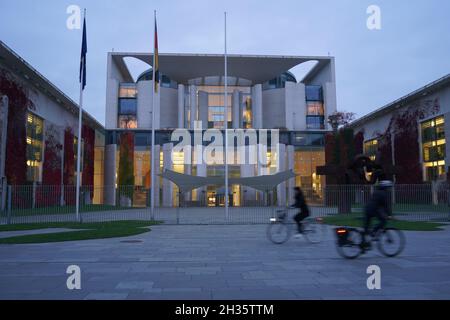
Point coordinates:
[(263, 94), (428, 103)]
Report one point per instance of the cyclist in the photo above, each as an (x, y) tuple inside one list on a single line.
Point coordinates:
[(300, 203), (379, 207)]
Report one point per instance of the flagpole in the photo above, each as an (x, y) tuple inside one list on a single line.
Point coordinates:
[(80, 119), (226, 121), (152, 190)]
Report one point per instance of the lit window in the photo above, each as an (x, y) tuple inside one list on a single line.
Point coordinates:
[(34, 140), (370, 148), (433, 148)]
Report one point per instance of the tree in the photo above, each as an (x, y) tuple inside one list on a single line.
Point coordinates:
[(340, 119)]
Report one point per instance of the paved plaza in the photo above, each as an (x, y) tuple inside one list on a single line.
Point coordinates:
[(222, 262)]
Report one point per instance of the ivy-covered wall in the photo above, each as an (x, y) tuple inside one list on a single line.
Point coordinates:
[(19, 102), (402, 136)]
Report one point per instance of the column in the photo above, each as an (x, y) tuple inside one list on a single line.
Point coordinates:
[(192, 105), (329, 100), (262, 169), (235, 109), (187, 170), (167, 187), (257, 106), (144, 104), (157, 178), (281, 164), (110, 174), (156, 109), (201, 192), (112, 103), (290, 166), (248, 194), (242, 105), (295, 106), (203, 108), (180, 106)]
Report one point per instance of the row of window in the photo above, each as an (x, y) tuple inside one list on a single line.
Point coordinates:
[(127, 108), (432, 148)]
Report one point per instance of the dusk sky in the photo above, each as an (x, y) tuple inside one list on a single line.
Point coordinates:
[(373, 68)]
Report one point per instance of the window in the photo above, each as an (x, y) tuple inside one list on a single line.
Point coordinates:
[(35, 137), (127, 122), (127, 90), (315, 108), (315, 122), (433, 148), (127, 106), (314, 93), (370, 148)]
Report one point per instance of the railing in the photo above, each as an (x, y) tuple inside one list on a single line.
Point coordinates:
[(34, 203)]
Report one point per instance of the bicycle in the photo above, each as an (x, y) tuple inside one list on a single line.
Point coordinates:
[(390, 241), (280, 230)]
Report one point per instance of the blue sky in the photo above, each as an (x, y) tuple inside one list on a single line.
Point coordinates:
[(372, 67)]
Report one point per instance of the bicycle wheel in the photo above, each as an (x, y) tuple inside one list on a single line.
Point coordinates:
[(351, 247), (391, 242), (313, 231), (278, 232)]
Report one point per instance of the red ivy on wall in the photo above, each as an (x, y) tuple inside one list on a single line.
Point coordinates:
[(69, 167), (51, 172), (15, 165), (404, 125), (49, 193), (407, 148), (358, 143), (88, 135)]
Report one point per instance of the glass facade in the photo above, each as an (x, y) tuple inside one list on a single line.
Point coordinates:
[(306, 160), (35, 138), (216, 104), (279, 82), (433, 148), (127, 106), (164, 80), (315, 111), (309, 153)]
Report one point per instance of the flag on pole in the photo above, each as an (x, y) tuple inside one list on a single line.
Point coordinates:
[(155, 59), (83, 56), (80, 114)]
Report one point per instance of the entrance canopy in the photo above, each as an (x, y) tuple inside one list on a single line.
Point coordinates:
[(186, 182)]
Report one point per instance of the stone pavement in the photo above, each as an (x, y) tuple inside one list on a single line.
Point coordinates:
[(222, 262)]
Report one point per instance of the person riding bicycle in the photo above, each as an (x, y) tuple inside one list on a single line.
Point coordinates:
[(379, 207), (300, 203)]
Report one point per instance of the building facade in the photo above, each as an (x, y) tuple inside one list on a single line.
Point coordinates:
[(39, 128), (262, 94), (411, 133)]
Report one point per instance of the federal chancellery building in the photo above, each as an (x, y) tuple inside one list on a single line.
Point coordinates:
[(263, 93)]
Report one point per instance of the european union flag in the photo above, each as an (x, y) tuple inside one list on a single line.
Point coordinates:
[(83, 56)]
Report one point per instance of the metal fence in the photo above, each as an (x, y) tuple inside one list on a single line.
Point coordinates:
[(34, 203)]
